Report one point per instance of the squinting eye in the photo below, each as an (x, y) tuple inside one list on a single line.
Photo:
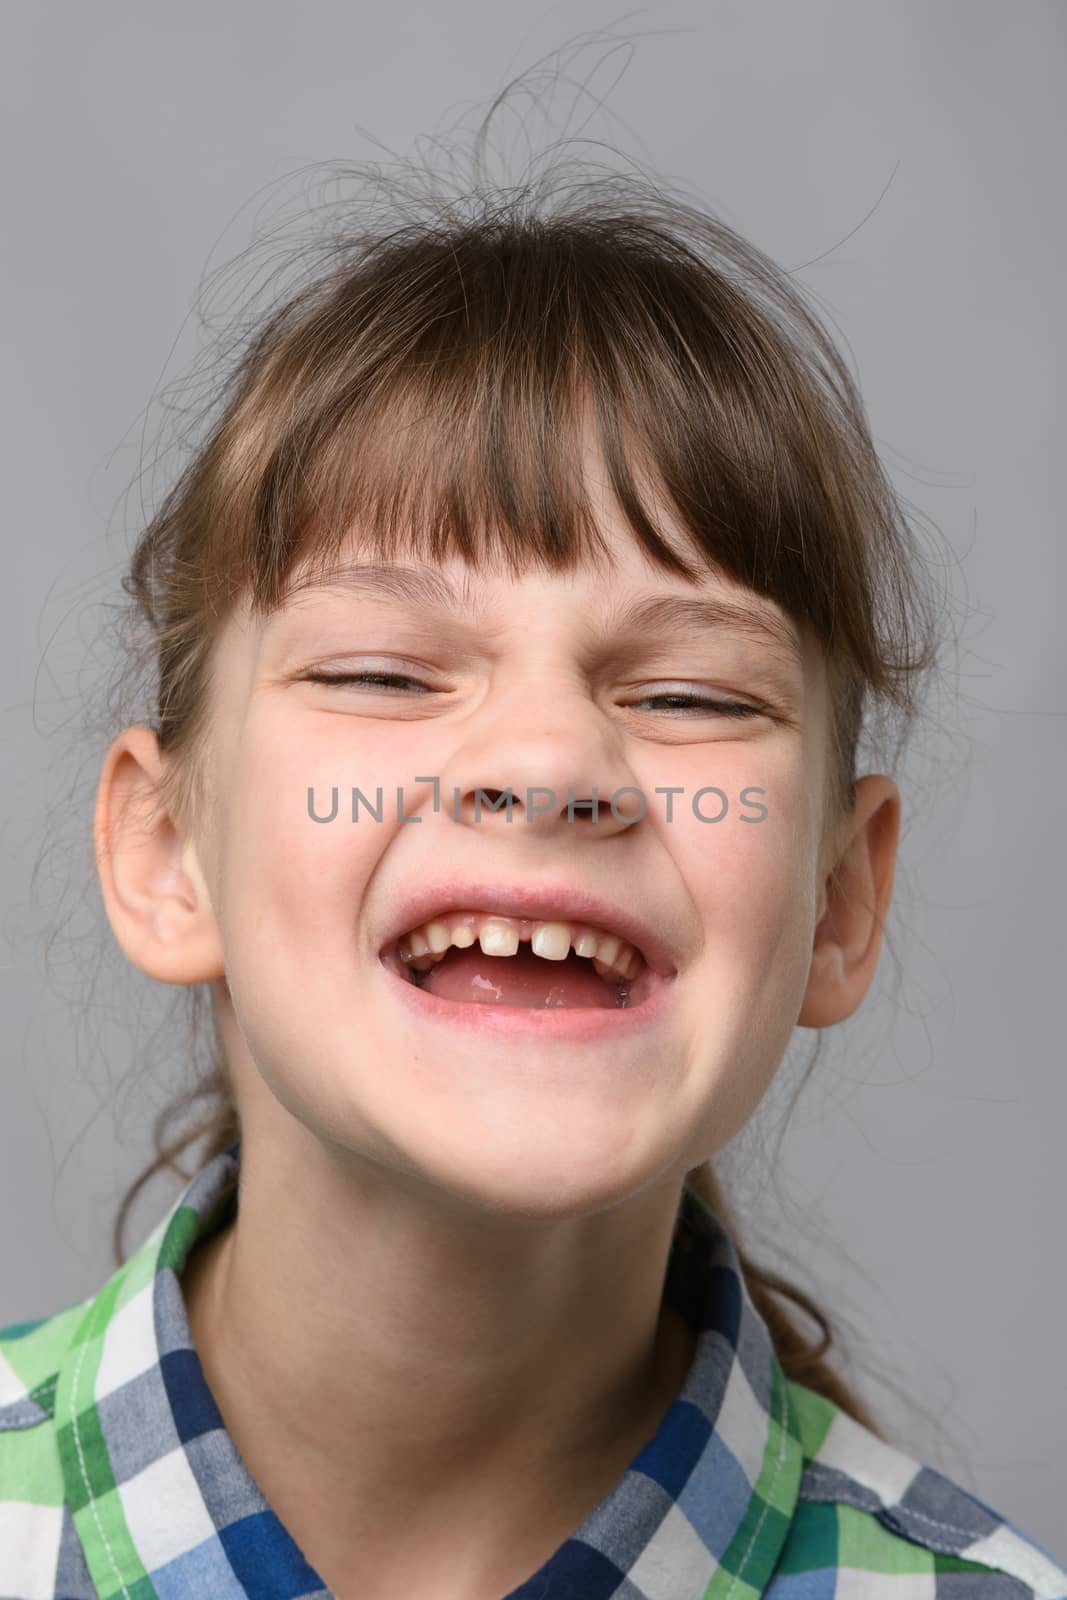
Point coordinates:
[(680, 704), (696, 706), (375, 679)]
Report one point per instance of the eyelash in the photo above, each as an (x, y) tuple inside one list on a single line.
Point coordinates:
[(380, 678), (726, 708)]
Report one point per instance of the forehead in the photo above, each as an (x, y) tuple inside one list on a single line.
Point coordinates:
[(630, 598)]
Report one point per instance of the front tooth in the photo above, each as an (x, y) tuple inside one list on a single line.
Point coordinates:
[(585, 944), (552, 940), (463, 936), (437, 936), (498, 939)]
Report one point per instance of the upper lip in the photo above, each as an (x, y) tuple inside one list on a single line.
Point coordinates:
[(541, 901)]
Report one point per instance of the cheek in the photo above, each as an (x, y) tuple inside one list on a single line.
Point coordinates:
[(751, 881), (753, 884), (289, 877), (751, 888)]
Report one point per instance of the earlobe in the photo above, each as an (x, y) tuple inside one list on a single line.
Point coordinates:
[(153, 888), (852, 906)]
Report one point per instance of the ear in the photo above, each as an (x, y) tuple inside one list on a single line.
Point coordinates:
[(853, 902), (154, 890)]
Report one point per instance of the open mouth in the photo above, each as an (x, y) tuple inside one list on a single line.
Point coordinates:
[(481, 958)]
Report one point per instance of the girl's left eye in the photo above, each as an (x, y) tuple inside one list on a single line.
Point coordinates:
[(696, 705), (375, 679)]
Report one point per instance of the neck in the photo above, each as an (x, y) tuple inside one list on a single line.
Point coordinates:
[(383, 1374)]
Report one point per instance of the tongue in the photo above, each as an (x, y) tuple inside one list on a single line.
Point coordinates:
[(523, 979)]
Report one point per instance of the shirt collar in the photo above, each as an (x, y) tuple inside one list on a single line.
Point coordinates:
[(158, 1490)]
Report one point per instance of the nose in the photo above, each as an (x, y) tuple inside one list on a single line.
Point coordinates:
[(547, 771), (545, 808)]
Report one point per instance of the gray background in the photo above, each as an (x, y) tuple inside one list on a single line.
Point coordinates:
[(910, 159)]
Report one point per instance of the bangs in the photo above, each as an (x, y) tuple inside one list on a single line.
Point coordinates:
[(494, 476), (448, 394)]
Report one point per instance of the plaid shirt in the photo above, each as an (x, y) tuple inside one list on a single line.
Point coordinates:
[(118, 1477)]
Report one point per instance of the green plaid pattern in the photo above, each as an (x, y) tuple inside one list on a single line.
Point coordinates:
[(119, 1481)]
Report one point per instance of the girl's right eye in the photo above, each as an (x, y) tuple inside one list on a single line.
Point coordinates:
[(375, 679)]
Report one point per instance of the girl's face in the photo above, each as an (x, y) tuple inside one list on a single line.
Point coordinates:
[(537, 683)]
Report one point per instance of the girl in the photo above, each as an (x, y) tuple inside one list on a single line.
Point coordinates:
[(517, 626)]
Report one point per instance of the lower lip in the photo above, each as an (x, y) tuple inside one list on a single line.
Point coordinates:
[(571, 1023)]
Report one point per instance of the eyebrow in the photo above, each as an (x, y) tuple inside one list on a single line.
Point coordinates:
[(417, 586), (676, 614), (684, 615)]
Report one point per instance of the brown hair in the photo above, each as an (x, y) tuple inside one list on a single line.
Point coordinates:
[(429, 379)]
